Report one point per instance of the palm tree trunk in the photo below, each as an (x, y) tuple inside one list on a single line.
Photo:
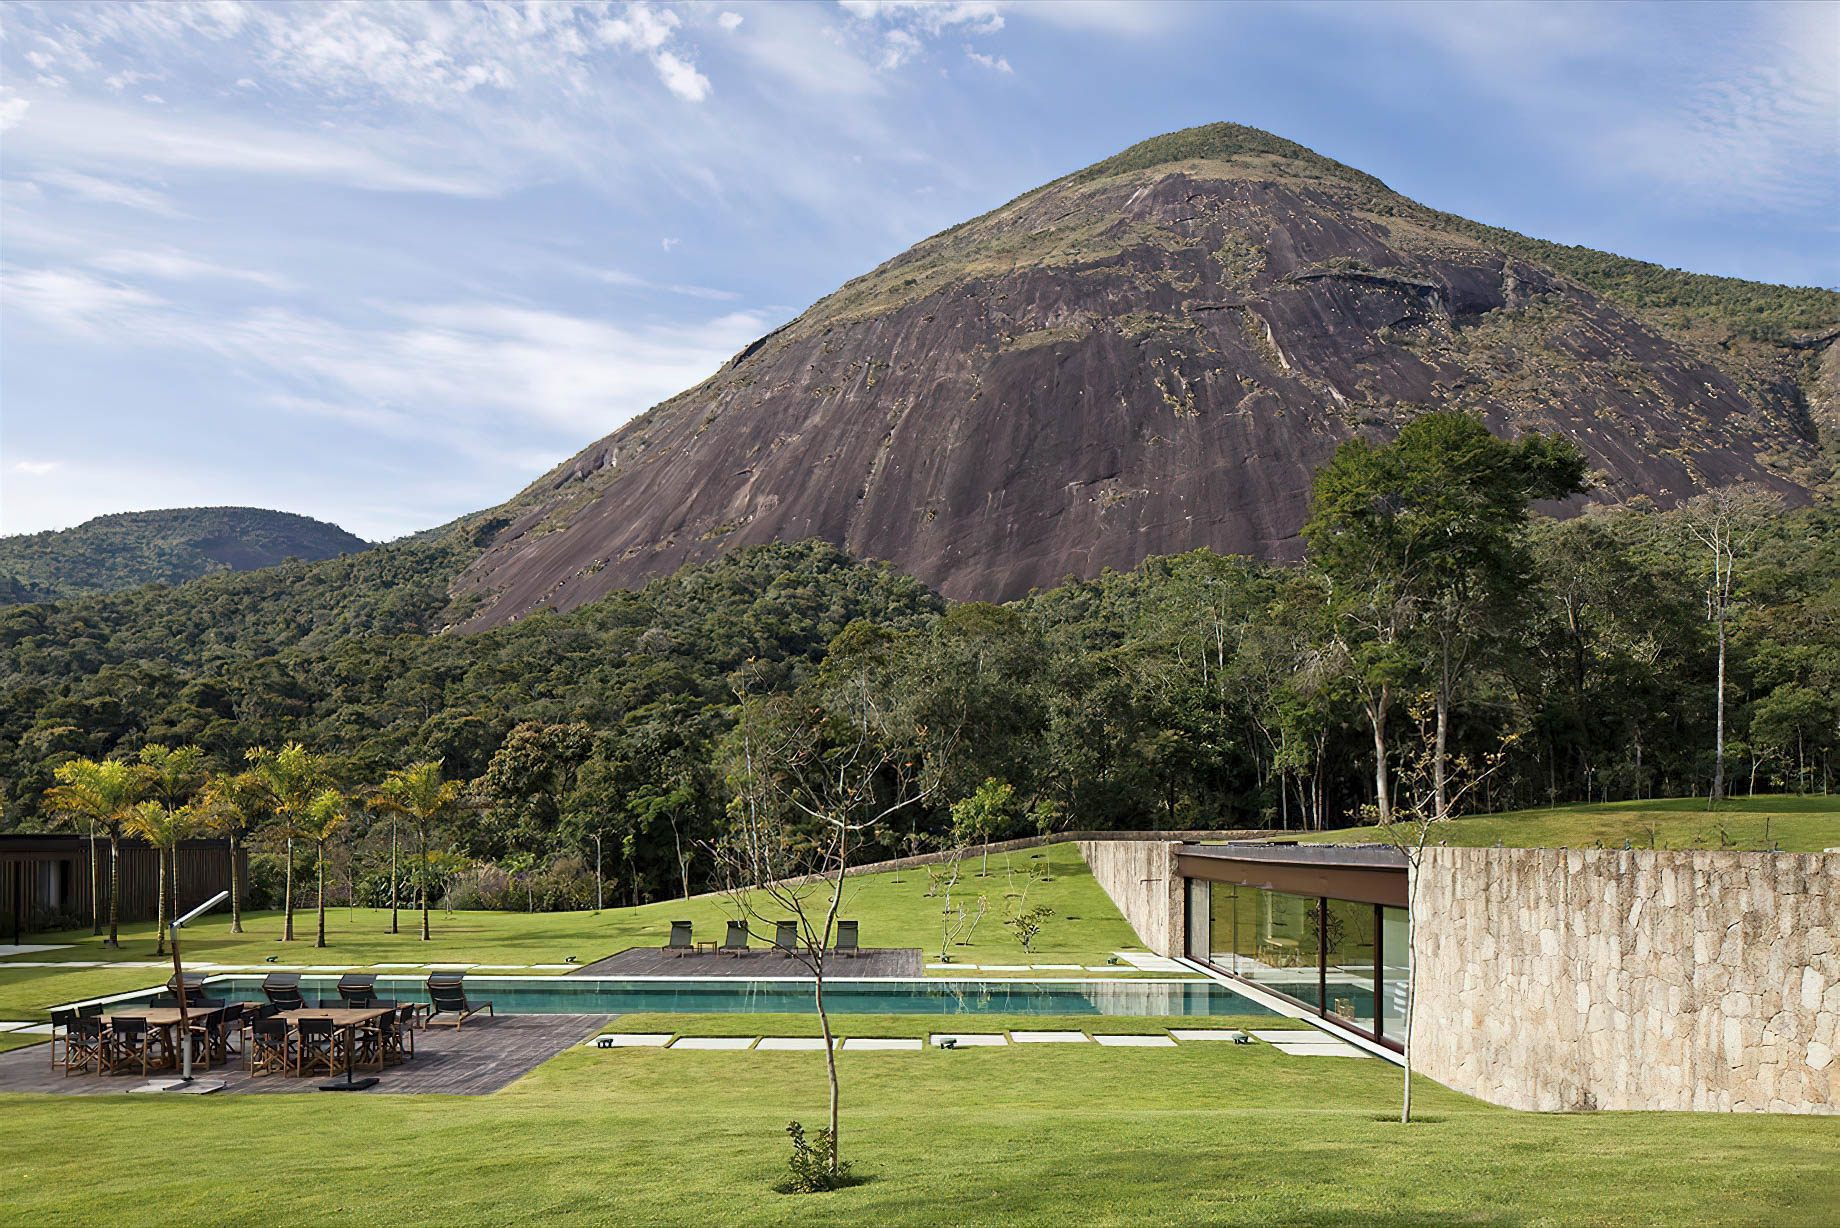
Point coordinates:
[(393, 888), (320, 902), (114, 939), (236, 898), (95, 886), (422, 838), (287, 888), (159, 906)]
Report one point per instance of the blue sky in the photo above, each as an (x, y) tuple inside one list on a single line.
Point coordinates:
[(384, 263)]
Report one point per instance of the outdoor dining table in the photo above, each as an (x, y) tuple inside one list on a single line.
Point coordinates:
[(165, 1018), (347, 1018)]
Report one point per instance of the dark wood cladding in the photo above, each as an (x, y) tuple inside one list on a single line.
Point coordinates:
[(48, 876), (1363, 884)]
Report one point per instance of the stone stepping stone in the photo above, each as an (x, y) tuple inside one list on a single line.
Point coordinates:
[(1334, 1049), (1049, 1038), (33, 1029), (399, 965), (452, 967), (1104, 968), (1006, 968), (502, 967), (1293, 1035), (881, 1042), (801, 1043), (967, 1040), (1136, 1042), (631, 1040), (30, 948), (713, 1042), (1057, 967), (1206, 1033), (945, 967), (13, 1025), (552, 966)]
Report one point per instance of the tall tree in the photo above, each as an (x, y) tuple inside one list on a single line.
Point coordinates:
[(232, 804), (1422, 539), (173, 775), (418, 794), (102, 792), (325, 813), (164, 827), (291, 777), (1726, 523)]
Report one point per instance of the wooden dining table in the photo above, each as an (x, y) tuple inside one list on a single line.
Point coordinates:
[(347, 1018), (166, 1019)]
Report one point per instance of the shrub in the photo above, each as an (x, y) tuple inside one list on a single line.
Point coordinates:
[(810, 1165)]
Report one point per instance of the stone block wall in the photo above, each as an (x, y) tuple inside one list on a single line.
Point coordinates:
[(1141, 878), (1593, 979)]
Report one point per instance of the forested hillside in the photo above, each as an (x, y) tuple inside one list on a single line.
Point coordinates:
[(111, 553), (1194, 690)]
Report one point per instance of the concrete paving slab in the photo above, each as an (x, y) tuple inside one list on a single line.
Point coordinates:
[(792, 1043), (8, 1025), (1206, 1033), (714, 1042), (631, 1040), (855, 1043), (1330, 1050), (1057, 967), (1004, 967), (1136, 1042), (969, 1040), (1298, 1035), (1048, 1038), (29, 948)]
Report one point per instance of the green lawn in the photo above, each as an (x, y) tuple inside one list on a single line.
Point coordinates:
[(1210, 1134), (893, 910), (1795, 824), (924, 1025)]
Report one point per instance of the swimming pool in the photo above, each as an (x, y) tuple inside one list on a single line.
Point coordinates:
[(553, 995)]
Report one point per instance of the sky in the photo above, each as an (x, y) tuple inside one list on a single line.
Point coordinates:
[(383, 264)]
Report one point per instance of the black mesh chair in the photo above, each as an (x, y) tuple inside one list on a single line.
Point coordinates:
[(127, 1042), (319, 1044), (267, 1051), (83, 1045), (60, 1033)]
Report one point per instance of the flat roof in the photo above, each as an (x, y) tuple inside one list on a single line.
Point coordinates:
[(1354, 856)]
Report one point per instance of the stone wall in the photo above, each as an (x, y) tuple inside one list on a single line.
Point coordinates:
[(1592, 979), (1141, 878)]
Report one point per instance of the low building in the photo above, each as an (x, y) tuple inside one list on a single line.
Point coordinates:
[(45, 879)]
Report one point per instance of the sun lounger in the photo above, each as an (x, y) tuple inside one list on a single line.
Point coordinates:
[(357, 988), (736, 943), (283, 989), (680, 943), (448, 993)]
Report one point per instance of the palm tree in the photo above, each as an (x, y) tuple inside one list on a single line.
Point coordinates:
[(231, 804), (172, 776), (418, 793), (164, 827), (324, 815), (103, 793), (290, 777)]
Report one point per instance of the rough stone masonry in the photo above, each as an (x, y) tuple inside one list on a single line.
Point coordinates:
[(1593, 979)]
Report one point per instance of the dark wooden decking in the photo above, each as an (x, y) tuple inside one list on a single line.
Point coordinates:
[(759, 962), (485, 1055)]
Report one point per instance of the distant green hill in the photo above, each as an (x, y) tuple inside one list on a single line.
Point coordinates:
[(123, 551)]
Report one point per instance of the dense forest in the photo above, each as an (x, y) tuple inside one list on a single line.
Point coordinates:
[(1192, 691), (128, 549)]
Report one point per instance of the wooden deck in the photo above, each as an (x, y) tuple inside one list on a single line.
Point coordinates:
[(485, 1055), (760, 962)]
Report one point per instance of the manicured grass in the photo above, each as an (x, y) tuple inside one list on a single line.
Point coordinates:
[(893, 910), (30, 993), (1794, 824), (925, 1025), (13, 1040), (1198, 1134)]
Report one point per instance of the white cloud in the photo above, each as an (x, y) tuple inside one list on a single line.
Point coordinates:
[(170, 264), (639, 28), (12, 108), (994, 63), (102, 191), (37, 469), (76, 302), (680, 76), (729, 21)]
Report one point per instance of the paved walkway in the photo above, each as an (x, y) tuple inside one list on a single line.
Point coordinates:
[(759, 962), (476, 1060)]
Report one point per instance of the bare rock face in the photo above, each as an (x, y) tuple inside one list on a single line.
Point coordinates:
[(1148, 356)]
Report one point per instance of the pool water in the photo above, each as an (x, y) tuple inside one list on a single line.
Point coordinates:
[(546, 995)]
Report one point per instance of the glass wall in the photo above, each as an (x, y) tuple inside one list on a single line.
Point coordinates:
[(1339, 957), (1396, 956), (1350, 963)]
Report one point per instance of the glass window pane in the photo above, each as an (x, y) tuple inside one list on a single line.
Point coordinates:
[(1348, 936), (1198, 905), (1396, 952)]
